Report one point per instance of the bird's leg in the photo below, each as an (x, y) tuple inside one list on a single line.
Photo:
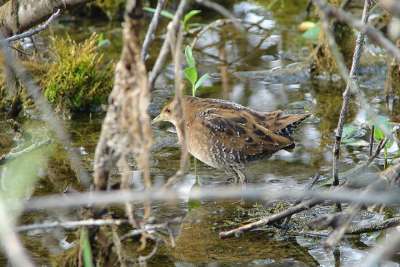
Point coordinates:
[(240, 176)]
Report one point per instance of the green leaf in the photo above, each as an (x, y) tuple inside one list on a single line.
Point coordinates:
[(348, 134), (201, 81), (164, 13), (189, 57), (188, 16), (191, 75), (312, 33), (86, 249), (378, 134)]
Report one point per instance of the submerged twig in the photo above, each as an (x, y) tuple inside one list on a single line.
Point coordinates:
[(373, 227), (14, 155)]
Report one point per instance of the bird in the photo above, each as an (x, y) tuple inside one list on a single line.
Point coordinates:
[(226, 135)]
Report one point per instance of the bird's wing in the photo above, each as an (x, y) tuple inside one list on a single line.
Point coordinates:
[(240, 132)]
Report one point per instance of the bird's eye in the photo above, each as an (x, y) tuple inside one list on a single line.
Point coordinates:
[(168, 110)]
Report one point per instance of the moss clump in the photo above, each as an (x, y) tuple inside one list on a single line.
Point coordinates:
[(79, 78)]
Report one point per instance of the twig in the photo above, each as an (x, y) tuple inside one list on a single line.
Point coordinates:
[(383, 250), (164, 51), (351, 79), (270, 219), (10, 242), (309, 187), (176, 48), (336, 235), (152, 29), (36, 30), (70, 224), (373, 227), (14, 155), (371, 140)]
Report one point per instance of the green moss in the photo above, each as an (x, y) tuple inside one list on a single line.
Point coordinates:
[(79, 78)]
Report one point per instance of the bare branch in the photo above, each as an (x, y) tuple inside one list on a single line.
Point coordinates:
[(36, 30), (164, 51), (152, 29)]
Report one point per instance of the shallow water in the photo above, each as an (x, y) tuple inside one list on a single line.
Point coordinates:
[(266, 70)]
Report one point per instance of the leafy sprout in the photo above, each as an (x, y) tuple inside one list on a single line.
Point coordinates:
[(169, 15), (191, 72)]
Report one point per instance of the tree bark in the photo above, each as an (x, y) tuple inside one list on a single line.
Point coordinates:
[(19, 15)]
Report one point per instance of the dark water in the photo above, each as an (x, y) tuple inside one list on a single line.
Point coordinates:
[(266, 69)]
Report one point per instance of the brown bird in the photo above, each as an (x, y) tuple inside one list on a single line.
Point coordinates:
[(226, 135)]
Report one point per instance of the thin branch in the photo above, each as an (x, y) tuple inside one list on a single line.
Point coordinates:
[(164, 51), (373, 227), (270, 219), (10, 241), (152, 29), (382, 250), (70, 224), (36, 30)]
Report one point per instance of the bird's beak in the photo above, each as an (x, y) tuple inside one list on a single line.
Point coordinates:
[(156, 119)]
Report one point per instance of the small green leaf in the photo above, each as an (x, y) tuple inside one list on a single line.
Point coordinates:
[(201, 81), (188, 16), (189, 57), (378, 134), (312, 33), (86, 249), (191, 75), (164, 13)]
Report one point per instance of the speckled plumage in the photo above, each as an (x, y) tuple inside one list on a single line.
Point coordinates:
[(226, 135)]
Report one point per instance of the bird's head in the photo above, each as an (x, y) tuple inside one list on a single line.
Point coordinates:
[(167, 113)]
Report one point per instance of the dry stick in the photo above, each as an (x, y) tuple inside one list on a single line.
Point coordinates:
[(70, 224), (49, 116), (98, 198), (347, 92), (270, 219), (373, 227), (289, 212), (309, 187), (371, 140), (36, 30), (383, 250), (176, 48), (162, 56), (150, 35)]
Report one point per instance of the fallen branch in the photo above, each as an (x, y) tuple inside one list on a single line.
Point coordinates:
[(270, 219), (70, 224), (374, 227), (36, 30)]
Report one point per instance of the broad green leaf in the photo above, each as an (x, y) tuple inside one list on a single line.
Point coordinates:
[(164, 13), (201, 81), (188, 16), (189, 57), (312, 33), (191, 75), (378, 134)]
